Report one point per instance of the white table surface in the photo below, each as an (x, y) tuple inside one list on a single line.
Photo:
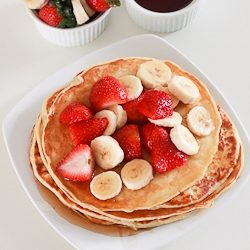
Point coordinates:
[(217, 41)]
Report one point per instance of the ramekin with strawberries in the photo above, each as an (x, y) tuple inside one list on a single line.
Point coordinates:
[(70, 23)]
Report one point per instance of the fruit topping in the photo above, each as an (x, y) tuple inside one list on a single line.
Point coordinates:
[(165, 156), (78, 165), (156, 104), (106, 92), (136, 174), (84, 132), (102, 5), (184, 139), (75, 112), (106, 185), (107, 151), (133, 114), (129, 140)]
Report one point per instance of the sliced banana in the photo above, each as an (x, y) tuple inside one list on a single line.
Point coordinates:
[(154, 73), (121, 115), (110, 115), (35, 4), (199, 121), (184, 140), (184, 89), (175, 100), (136, 174), (107, 151), (133, 86), (170, 121), (106, 185), (86, 7), (79, 12)]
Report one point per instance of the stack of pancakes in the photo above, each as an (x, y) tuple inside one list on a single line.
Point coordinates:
[(170, 196)]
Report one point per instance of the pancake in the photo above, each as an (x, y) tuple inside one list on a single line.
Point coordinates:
[(163, 187), (165, 199), (156, 216)]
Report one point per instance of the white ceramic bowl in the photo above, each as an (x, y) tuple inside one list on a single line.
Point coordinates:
[(72, 37), (161, 22)]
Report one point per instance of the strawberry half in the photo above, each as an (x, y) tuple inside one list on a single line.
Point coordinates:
[(75, 112), (133, 114), (106, 92), (129, 140), (156, 104), (84, 132), (102, 5), (78, 165), (165, 156), (146, 135)]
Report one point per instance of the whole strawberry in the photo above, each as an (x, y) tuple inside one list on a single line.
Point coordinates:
[(102, 5), (58, 13)]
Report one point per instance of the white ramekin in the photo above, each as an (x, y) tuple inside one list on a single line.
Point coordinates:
[(72, 37), (161, 22)]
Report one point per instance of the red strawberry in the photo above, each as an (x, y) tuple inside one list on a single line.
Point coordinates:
[(50, 15), (129, 140), (134, 116), (146, 134), (107, 92), (156, 104), (75, 112), (78, 165), (165, 156), (84, 132), (102, 5)]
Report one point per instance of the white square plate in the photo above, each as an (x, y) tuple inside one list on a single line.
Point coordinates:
[(25, 112)]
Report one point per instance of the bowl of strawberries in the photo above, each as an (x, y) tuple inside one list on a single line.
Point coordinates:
[(70, 23)]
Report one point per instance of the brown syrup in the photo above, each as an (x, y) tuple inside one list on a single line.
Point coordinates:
[(79, 220), (163, 6)]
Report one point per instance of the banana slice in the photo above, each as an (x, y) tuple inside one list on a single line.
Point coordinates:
[(133, 86), (136, 174), (175, 100), (184, 89), (79, 12), (170, 121), (35, 4), (184, 140), (154, 73), (121, 115), (106, 185), (107, 151), (199, 121), (86, 7), (110, 115)]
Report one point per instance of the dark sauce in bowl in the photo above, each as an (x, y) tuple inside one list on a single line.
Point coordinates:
[(163, 6)]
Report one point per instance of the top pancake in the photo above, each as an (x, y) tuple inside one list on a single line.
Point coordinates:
[(54, 142)]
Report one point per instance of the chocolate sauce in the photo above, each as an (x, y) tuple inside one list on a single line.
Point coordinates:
[(164, 5)]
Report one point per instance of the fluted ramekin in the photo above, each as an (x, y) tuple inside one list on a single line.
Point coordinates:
[(72, 37), (162, 22)]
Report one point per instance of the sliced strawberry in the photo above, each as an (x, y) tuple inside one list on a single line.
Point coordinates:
[(131, 107), (146, 133), (106, 92), (75, 112), (129, 140), (165, 156), (84, 132), (156, 104), (78, 165), (102, 5)]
